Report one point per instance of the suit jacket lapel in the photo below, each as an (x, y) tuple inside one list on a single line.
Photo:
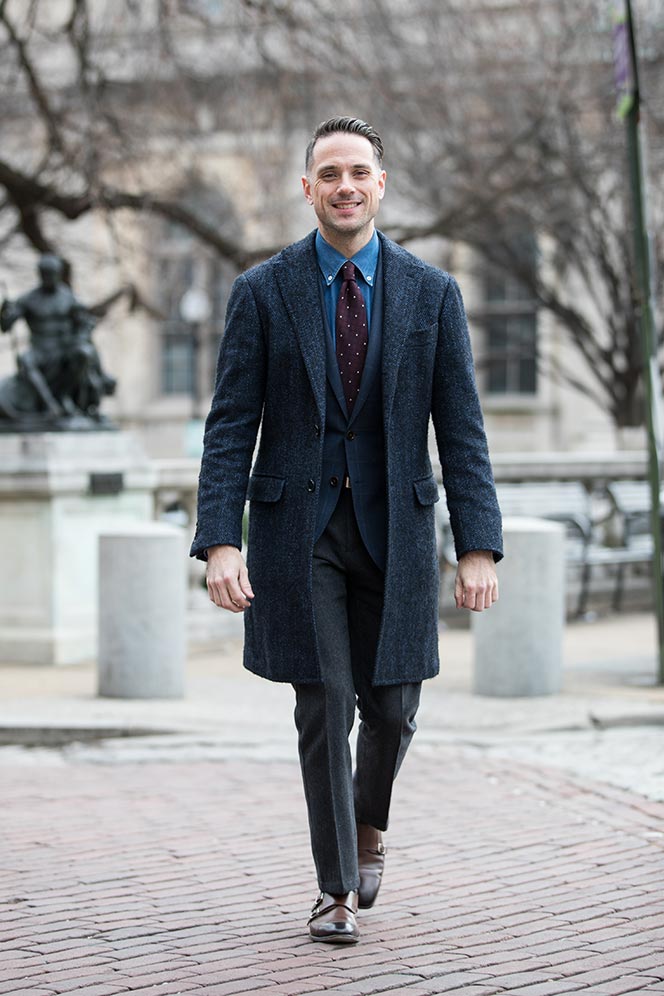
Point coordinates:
[(297, 276), (372, 362), (402, 276), (333, 374)]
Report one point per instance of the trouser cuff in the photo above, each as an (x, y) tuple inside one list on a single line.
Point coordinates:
[(339, 888), (372, 821)]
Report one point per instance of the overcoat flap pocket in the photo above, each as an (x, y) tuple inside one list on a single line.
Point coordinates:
[(263, 488), (426, 490)]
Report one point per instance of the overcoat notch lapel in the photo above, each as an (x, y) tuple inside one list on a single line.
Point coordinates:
[(297, 277), (401, 282)]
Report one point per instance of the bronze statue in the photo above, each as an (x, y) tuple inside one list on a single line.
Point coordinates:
[(59, 383)]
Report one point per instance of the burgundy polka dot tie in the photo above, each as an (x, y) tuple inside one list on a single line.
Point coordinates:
[(352, 334)]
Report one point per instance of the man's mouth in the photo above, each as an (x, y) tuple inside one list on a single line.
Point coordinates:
[(346, 205)]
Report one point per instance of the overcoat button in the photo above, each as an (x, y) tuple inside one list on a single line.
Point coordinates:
[(311, 485), (350, 434), (334, 481), (317, 430)]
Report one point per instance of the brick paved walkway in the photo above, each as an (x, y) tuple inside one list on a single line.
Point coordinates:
[(196, 879)]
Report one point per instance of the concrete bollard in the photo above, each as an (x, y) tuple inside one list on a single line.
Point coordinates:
[(518, 642), (142, 605)]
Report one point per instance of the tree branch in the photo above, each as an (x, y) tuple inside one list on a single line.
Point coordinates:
[(37, 89), (29, 195)]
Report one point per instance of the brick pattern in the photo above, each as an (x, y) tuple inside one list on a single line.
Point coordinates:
[(185, 878)]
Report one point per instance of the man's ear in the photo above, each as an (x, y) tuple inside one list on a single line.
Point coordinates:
[(306, 186)]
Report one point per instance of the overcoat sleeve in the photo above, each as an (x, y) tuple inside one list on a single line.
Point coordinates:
[(459, 427), (232, 424)]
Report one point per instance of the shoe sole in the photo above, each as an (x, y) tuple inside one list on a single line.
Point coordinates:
[(341, 939)]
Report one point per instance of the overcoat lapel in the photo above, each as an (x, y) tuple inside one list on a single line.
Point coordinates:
[(402, 277), (297, 276)]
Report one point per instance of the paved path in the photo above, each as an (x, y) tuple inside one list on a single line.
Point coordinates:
[(526, 854), (195, 878), (607, 724)]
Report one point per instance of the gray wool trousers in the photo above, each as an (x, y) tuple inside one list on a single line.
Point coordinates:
[(348, 600)]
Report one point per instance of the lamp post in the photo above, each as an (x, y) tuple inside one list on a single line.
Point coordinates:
[(629, 108), (195, 308)]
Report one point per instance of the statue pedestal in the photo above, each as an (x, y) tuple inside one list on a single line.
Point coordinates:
[(58, 492)]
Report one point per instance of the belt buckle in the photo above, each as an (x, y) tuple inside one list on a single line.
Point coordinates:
[(347, 481)]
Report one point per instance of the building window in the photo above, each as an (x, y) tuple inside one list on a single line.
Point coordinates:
[(181, 264), (512, 354), (509, 318), (188, 354), (177, 359)]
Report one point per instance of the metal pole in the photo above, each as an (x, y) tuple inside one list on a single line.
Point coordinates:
[(645, 314)]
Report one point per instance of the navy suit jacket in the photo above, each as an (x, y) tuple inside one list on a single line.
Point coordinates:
[(355, 445), (272, 376)]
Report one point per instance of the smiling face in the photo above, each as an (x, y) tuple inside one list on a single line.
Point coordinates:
[(345, 186)]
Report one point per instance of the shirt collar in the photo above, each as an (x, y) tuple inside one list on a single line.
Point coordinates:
[(330, 260)]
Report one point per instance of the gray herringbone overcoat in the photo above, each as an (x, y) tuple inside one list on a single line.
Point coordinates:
[(271, 374)]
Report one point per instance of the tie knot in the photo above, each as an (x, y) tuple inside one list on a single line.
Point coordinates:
[(348, 271)]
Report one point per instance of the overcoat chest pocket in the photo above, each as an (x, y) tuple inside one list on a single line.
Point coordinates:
[(423, 336), (263, 488), (426, 490)]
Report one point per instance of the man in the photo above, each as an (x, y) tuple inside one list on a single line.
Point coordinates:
[(341, 348)]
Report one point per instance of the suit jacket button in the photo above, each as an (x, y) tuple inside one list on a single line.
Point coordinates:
[(311, 485), (350, 434), (334, 481), (317, 430)]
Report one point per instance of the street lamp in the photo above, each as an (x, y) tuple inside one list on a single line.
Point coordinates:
[(195, 308)]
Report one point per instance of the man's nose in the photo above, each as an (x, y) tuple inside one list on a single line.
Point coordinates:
[(346, 184)]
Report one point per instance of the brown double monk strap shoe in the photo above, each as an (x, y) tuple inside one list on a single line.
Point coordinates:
[(333, 919), (371, 861)]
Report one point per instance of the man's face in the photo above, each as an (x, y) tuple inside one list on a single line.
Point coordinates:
[(345, 186)]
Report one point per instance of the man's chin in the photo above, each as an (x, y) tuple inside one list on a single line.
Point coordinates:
[(348, 226)]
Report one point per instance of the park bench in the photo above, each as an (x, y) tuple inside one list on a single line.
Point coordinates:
[(567, 502), (630, 501), (570, 503)]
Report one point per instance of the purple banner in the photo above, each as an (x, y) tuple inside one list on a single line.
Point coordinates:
[(622, 64)]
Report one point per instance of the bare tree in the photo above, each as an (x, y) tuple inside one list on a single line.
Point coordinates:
[(502, 123), (90, 90), (500, 119)]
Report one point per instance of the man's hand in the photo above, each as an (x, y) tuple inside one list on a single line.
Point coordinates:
[(476, 585), (227, 579)]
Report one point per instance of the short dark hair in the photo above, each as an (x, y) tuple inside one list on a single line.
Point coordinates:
[(353, 126)]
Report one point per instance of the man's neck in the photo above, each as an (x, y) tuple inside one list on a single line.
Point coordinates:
[(350, 245)]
